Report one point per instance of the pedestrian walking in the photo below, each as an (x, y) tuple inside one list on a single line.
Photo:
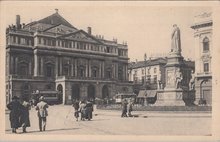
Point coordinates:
[(129, 108), (76, 109), (124, 108), (15, 111), (42, 113), (89, 110), (25, 121), (82, 108)]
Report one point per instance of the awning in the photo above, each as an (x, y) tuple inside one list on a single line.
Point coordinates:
[(142, 94), (151, 93)]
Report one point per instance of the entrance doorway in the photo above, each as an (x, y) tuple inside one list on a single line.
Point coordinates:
[(105, 92), (75, 92), (26, 91), (60, 97), (91, 93)]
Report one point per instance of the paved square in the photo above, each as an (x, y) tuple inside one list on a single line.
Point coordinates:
[(61, 121)]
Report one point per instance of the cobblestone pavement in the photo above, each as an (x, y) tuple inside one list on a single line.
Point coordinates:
[(105, 122)]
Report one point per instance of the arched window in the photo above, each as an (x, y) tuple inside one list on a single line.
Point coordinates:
[(205, 44), (49, 70), (81, 71), (95, 71), (66, 70), (23, 69)]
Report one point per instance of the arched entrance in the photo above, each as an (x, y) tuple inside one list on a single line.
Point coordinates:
[(105, 92), (91, 93), (26, 91), (60, 90), (75, 92)]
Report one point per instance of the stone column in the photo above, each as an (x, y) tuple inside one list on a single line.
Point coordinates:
[(11, 64), (126, 72), (42, 66), (103, 69), (89, 68), (30, 69), (72, 67), (35, 63), (76, 67), (16, 65), (100, 69), (61, 66), (57, 67), (116, 70), (86, 73)]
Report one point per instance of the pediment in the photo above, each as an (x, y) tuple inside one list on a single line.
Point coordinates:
[(81, 36), (62, 29)]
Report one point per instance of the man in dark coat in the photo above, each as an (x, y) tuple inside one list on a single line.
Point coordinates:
[(89, 110), (15, 111), (124, 108), (25, 121)]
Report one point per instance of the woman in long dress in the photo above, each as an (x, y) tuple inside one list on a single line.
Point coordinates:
[(15, 111)]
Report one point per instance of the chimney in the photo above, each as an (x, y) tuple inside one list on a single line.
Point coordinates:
[(18, 22), (89, 30), (56, 10)]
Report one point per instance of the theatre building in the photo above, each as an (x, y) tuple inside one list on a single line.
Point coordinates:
[(51, 54)]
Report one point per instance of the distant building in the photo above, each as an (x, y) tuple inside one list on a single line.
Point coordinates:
[(155, 71), (51, 54), (203, 58)]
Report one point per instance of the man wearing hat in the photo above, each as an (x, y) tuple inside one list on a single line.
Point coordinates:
[(15, 110), (42, 113)]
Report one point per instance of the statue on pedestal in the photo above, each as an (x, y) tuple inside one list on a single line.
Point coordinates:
[(175, 40), (179, 77), (192, 82)]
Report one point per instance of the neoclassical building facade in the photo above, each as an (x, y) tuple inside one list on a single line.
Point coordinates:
[(203, 57), (51, 54)]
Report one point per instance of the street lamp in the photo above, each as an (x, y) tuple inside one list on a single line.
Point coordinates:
[(145, 62)]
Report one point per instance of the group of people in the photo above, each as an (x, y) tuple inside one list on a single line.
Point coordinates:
[(127, 108), (83, 109), (19, 114)]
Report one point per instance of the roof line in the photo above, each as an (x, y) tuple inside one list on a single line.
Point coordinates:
[(51, 27)]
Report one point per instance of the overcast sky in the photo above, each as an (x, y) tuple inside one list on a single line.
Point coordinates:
[(146, 29)]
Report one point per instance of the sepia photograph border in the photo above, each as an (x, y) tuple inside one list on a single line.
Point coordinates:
[(215, 137)]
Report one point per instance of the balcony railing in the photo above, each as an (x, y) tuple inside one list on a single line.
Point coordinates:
[(84, 78), (29, 77), (204, 74)]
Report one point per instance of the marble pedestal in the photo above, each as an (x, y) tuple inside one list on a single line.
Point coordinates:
[(171, 97)]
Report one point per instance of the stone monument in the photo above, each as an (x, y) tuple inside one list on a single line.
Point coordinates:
[(172, 94)]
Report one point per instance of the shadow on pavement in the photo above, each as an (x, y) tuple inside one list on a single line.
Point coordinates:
[(50, 130)]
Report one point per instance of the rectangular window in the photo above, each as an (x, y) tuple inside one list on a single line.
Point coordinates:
[(148, 78), (14, 39), (22, 41), (143, 71), (142, 79), (45, 42), (58, 43), (155, 78), (155, 70), (206, 67), (19, 40)]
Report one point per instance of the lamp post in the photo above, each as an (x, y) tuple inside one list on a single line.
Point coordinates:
[(145, 63)]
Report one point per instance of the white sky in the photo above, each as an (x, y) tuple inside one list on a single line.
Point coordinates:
[(147, 29)]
